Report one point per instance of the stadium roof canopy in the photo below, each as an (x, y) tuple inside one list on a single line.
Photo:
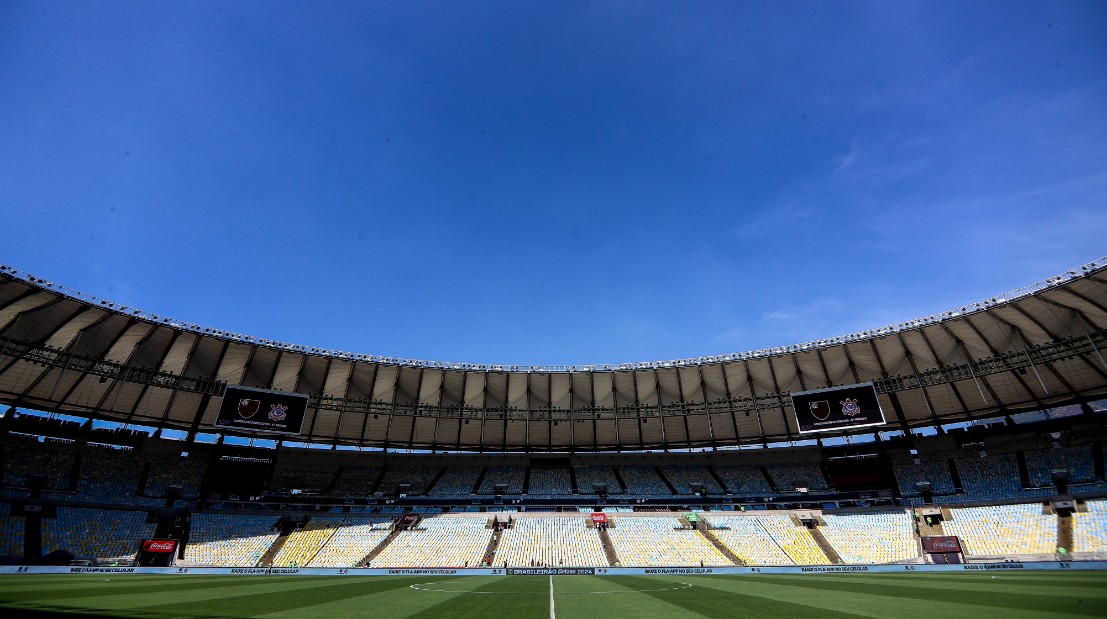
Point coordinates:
[(1037, 347)]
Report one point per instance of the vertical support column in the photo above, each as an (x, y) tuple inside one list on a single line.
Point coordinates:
[(32, 538)]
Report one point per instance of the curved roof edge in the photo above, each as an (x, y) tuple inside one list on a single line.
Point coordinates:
[(970, 308)]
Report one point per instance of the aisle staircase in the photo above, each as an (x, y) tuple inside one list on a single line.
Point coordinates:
[(368, 559), (1064, 532), (828, 550), (493, 543), (287, 527), (608, 548), (709, 535)]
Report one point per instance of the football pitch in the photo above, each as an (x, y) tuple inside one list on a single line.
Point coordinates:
[(913, 596)]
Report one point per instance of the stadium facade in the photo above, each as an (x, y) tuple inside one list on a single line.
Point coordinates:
[(1031, 349), (676, 463)]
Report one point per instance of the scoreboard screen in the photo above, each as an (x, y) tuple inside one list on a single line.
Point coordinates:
[(851, 406), (262, 410)]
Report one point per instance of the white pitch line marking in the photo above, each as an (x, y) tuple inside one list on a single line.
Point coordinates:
[(552, 615), (422, 587), (685, 586)]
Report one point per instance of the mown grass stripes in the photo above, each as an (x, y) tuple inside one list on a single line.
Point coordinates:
[(494, 597), (1022, 594), (708, 602), (1027, 599)]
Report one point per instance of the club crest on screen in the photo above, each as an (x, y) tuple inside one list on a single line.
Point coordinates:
[(248, 407), (278, 412), (819, 410), (850, 407)]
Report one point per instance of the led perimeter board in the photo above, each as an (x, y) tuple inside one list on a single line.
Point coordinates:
[(262, 410), (851, 406)]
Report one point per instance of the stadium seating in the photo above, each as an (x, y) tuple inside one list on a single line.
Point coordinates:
[(587, 476), (553, 541), (304, 543), (230, 539), (456, 481), (353, 540), (681, 477), (643, 481), (786, 474), (550, 481), (744, 480), (328, 541), (11, 533), (418, 477), (356, 480), (26, 456), (660, 541), (995, 476), (1003, 529), (512, 476), (1076, 459), (750, 539), (104, 535), (795, 540), (108, 481), (173, 470), (932, 468), (289, 476), (446, 541), (1089, 529), (107, 475), (110, 476), (872, 537), (988, 477)]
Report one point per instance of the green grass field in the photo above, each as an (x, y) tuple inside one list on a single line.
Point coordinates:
[(914, 596)]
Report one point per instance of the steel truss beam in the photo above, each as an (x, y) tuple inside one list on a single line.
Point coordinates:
[(40, 354)]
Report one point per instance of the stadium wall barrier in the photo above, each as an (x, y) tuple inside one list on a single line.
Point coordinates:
[(558, 571)]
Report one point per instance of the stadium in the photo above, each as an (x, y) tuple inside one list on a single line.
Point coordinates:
[(536, 309), (132, 443)]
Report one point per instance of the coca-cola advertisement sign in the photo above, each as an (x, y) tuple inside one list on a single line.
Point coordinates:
[(599, 518), (159, 545), (941, 543)]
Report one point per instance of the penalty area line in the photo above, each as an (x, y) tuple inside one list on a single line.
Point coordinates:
[(552, 614)]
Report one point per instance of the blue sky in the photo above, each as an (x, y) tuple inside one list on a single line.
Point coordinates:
[(551, 183)]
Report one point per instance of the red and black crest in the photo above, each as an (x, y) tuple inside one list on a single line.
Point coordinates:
[(820, 410), (248, 407)]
